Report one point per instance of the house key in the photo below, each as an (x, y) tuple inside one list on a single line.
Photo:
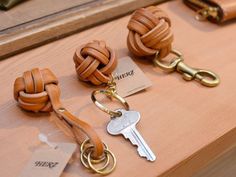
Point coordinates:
[(126, 125)]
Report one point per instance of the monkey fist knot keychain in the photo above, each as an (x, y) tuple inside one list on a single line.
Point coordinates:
[(95, 62), (149, 32), (123, 121), (30, 90), (150, 36), (38, 91)]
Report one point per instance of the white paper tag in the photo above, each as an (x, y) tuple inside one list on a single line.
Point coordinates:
[(129, 77), (49, 162)]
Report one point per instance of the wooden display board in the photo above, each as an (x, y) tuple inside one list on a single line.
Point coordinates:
[(186, 124), (37, 22)]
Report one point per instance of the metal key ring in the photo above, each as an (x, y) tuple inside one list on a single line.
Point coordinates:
[(83, 148), (84, 158), (103, 172), (111, 95)]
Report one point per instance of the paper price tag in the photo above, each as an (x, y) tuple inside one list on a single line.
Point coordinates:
[(129, 77), (49, 162)]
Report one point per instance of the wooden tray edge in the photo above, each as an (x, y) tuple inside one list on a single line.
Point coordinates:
[(17, 40)]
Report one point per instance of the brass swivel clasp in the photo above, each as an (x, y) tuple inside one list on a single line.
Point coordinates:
[(205, 77)]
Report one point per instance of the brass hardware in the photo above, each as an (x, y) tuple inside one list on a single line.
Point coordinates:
[(103, 171), (86, 145), (61, 109), (205, 11), (108, 166), (110, 92), (205, 77), (203, 14)]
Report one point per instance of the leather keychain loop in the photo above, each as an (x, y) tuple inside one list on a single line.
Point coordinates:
[(150, 36), (38, 91)]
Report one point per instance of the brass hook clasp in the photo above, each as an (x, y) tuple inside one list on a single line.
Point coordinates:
[(205, 77)]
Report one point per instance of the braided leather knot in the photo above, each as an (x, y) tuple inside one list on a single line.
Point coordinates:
[(95, 62), (149, 32), (30, 90)]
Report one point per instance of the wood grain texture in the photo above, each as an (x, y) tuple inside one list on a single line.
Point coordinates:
[(31, 10), (225, 165), (185, 124), (35, 22)]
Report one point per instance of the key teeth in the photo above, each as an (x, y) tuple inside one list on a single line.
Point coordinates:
[(153, 159), (131, 140), (142, 154)]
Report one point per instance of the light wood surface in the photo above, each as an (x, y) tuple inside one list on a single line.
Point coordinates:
[(37, 22), (185, 124)]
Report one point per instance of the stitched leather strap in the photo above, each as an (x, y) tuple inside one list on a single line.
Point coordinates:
[(95, 62), (38, 91), (149, 32)]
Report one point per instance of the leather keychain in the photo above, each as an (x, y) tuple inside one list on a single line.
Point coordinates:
[(94, 63), (38, 91), (150, 36)]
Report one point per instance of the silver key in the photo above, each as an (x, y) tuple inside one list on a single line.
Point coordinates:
[(126, 125)]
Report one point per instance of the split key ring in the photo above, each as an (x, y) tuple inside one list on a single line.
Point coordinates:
[(110, 94)]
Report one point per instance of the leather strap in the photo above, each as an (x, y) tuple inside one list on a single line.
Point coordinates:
[(94, 62), (149, 32), (228, 9), (38, 91)]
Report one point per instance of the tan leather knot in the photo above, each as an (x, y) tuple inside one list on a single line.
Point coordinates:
[(38, 90), (95, 62), (30, 90), (149, 32)]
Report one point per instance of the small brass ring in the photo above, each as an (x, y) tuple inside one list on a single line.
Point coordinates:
[(84, 159), (172, 65), (83, 148), (112, 95), (214, 81), (103, 171)]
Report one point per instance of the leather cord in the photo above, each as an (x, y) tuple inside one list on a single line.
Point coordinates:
[(94, 62), (149, 32), (38, 91)]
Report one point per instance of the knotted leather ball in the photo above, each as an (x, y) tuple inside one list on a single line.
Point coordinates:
[(95, 62), (30, 90), (149, 32)]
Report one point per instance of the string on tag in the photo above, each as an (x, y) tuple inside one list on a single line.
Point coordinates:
[(44, 139)]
